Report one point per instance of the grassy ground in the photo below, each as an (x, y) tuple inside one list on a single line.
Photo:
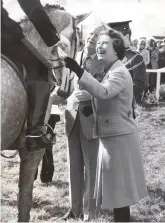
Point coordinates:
[(51, 201)]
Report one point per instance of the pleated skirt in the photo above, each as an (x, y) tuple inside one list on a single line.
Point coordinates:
[(120, 177)]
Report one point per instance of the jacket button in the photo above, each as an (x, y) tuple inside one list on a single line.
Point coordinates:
[(107, 121)]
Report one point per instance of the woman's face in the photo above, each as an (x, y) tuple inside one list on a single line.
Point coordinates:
[(142, 45), (151, 44), (105, 50)]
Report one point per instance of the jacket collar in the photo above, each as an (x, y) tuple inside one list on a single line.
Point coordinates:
[(117, 64)]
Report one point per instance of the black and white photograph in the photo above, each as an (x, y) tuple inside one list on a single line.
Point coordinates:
[(82, 111)]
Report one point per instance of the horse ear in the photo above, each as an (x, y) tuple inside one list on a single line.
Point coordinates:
[(81, 17), (106, 27)]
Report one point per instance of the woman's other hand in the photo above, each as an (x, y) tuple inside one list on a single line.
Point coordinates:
[(82, 95)]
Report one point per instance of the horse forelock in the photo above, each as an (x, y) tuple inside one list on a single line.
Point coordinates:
[(61, 20)]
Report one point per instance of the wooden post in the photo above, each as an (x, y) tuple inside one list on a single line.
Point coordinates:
[(158, 84)]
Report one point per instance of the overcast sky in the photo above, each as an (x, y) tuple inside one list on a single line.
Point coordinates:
[(148, 16)]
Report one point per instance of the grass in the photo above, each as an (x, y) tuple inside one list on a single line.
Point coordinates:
[(52, 201)]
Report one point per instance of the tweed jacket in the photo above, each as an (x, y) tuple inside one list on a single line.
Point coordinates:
[(112, 101), (73, 106)]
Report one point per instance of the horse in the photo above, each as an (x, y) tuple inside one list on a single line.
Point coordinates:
[(14, 102)]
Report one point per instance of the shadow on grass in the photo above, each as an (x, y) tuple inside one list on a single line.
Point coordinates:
[(41, 204), (12, 163), (156, 192), (53, 211), (8, 202), (136, 219), (59, 184)]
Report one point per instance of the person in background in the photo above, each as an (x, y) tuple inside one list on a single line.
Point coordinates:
[(161, 61), (82, 145), (135, 43), (120, 175), (158, 44), (154, 52), (144, 52), (133, 61), (161, 57)]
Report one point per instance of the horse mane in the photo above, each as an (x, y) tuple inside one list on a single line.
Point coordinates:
[(48, 8), (60, 18)]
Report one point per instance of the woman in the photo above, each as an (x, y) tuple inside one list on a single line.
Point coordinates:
[(144, 52), (120, 175)]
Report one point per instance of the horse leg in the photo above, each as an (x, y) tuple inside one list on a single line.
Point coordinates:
[(28, 166)]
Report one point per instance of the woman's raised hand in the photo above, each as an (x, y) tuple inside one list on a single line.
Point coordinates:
[(73, 66)]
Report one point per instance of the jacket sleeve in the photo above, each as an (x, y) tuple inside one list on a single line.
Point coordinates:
[(115, 83), (37, 15)]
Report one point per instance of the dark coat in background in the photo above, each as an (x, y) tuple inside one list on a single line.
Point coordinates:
[(161, 59), (161, 64), (137, 69)]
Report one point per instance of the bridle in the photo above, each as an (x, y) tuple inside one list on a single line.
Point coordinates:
[(74, 41)]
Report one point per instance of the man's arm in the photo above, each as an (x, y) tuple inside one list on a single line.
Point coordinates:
[(138, 71)]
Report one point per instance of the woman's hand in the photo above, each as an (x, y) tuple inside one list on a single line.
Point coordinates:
[(82, 95), (73, 66)]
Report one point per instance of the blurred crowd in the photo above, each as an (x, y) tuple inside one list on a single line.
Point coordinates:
[(153, 53)]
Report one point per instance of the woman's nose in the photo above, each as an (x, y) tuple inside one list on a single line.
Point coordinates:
[(99, 46)]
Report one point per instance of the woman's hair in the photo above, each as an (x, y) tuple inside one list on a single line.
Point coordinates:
[(117, 41), (143, 41), (152, 43)]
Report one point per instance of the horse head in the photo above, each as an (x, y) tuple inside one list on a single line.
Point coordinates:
[(67, 26)]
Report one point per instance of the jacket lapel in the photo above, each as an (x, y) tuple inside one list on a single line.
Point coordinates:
[(116, 65), (96, 67)]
